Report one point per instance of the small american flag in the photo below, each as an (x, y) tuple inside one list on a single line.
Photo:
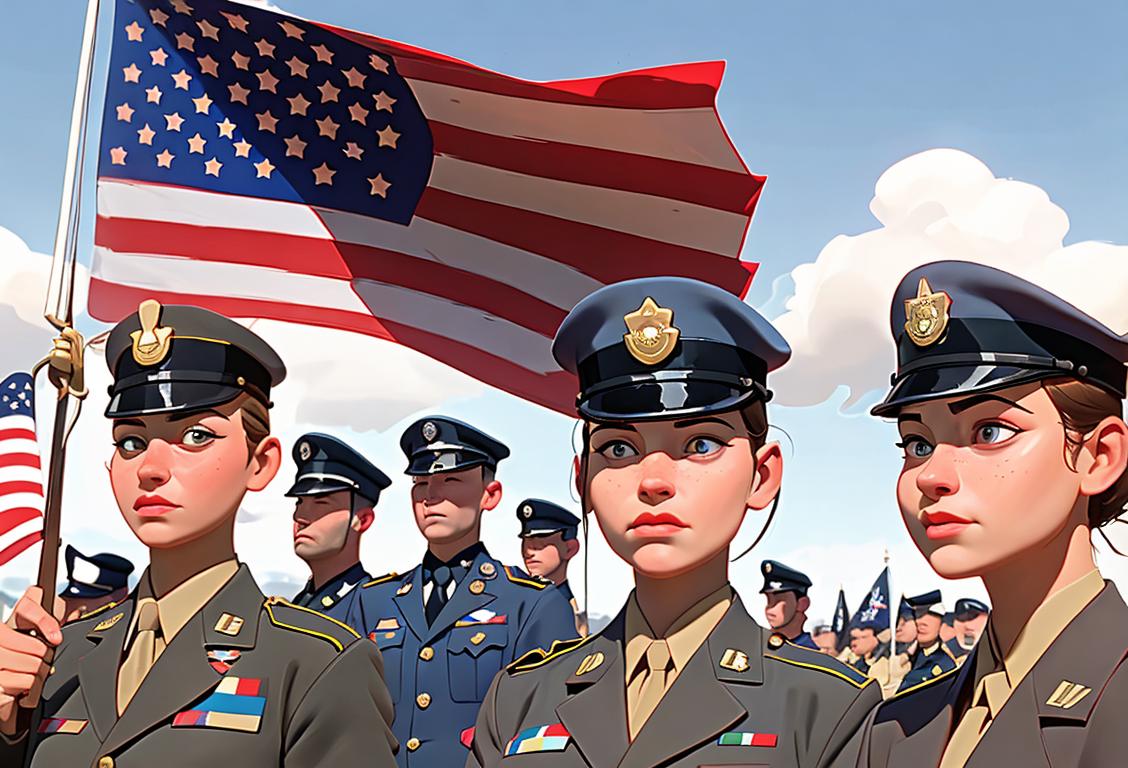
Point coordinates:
[(262, 165), (21, 478)]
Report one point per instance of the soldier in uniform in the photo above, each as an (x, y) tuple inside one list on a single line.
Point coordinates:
[(450, 624), (196, 667), (548, 543), (905, 634), (336, 490), (873, 657), (971, 620), (1010, 408), (672, 395), (785, 590), (931, 657), (93, 581), (826, 639)]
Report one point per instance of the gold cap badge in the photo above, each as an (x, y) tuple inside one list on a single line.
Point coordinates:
[(651, 334), (926, 316), (151, 343)]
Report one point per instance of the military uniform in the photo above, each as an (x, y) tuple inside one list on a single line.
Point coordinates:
[(332, 597), (1057, 698), (543, 518), (438, 671), (781, 578), (933, 660)]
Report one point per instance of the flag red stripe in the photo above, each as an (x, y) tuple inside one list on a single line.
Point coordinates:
[(18, 546), (16, 434), (20, 486), (699, 184), (10, 518), (607, 255), (19, 460), (310, 255)]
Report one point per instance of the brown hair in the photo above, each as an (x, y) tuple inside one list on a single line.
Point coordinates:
[(256, 421), (1082, 407)]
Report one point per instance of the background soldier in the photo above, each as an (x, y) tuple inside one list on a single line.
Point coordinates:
[(931, 657), (787, 602), (971, 620), (548, 544), (93, 582)]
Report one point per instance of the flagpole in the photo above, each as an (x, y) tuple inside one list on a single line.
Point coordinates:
[(66, 359)]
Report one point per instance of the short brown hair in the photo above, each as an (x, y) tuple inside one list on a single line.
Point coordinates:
[(1082, 407), (256, 421)]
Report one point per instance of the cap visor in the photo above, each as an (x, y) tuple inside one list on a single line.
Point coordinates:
[(169, 397), (316, 486), (449, 461), (653, 400), (942, 383)]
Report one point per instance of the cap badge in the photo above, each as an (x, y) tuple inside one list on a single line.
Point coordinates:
[(150, 344), (767, 567), (526, 511), (305, 451), (926, 316), (430, 431), (651, 334)]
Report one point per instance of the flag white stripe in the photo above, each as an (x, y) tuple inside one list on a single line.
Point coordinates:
[(18, 445), (16, 421), (674, 134), (18, 500), (21, 530), (20, 475)]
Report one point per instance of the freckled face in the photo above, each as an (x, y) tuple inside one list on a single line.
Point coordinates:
[(984, 479)]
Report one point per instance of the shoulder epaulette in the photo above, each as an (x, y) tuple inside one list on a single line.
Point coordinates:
[(96, 611), (538, 657), (523, 581), (379, 580), (308, 621), (924, 684), (798, 656)]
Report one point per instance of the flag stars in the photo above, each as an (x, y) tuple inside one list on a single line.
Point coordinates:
[(203, 104), (181, 79), (327, 127), (159, 57), (185, 42), (353, 150), (241, 61), (378, 64), (207, 29), (211, 167), (158, 16), (238, 93), (267, 122), (292, 30), (265, 48), (235, 21), (379, 186), (263, 169), (388, 137), (153, 95), (208, 65), (180, 6), (323, 54), (358, 113), (145, 135), (295, 147), (173, 121), (298, 104), (323, 174), (329, 92), (132, 73), (267, 81), (134, 32), (117, 155), (124, 112), (242, 148), (384, 101), (164, 159), (298, 68), (226, 128), (196, 144), (355, 78)]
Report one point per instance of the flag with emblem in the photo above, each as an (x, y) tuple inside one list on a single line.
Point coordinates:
[(875, 606), (267, 166), (21, 477), (840, 623)]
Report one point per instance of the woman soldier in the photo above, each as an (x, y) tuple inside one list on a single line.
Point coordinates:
[(195, 667), (672, 376), (1009, 404)]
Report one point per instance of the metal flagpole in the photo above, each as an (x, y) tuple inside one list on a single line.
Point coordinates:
[(65, 361)]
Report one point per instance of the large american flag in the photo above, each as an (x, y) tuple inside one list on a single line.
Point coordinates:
[(21, 478), (267, 166)]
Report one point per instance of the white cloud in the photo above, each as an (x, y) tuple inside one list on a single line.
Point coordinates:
[(939, 204), (264, 4)]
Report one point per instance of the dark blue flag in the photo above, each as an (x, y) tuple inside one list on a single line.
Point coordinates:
[(875, 605)]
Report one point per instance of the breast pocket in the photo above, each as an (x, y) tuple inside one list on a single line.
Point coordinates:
[(390, 643), (474, 657)]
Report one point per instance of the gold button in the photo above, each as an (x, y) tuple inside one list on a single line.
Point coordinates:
[(477, 586), (776, 641), (427, 653), (106, 762), (412, 744), (423, 700), (327, 601), (51, 671)]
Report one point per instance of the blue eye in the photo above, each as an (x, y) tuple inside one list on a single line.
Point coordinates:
[(703, 446), (617, 449), (994, 433), (916, 448)]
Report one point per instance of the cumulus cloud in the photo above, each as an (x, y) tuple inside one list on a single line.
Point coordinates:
[(939, 204)]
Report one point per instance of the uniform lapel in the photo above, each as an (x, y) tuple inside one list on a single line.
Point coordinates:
[(463, 601), (928, 725), (97, 670), (182, 674), (595, 712), (698, 707), (410, 603)]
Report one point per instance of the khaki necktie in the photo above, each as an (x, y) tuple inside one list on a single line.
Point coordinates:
[(990, 696), (654, 681), (143, 651)]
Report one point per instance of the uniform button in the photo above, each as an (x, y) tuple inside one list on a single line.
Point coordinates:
[(775, 641), (427, 653), (106, 762), (412, 745), (423, 700)]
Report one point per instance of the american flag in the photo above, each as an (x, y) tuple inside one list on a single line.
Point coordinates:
[(21, 479), (267, 166)]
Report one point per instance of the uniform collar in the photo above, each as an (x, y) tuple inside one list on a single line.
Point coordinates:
[(186, 599), (684, 636), (459, 563)]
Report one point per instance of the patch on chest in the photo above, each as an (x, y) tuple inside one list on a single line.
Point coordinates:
[(222, 659), (482, 616), (236, 704), (747, 739), (61, 725), (540, 738)]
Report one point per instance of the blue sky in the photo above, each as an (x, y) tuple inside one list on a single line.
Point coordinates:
[(822, 98)]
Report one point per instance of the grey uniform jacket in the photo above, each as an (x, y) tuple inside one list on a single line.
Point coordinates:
[(303, 689), (1035, 728), (744, 698)]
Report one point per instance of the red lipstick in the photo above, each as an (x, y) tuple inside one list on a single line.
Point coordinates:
[(943, 525), (153, 506), (663, 524)]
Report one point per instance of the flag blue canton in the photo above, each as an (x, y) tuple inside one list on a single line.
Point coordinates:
[(229, 98), (17, 396)]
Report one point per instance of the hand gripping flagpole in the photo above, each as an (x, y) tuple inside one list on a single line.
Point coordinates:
[(65, 363)]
